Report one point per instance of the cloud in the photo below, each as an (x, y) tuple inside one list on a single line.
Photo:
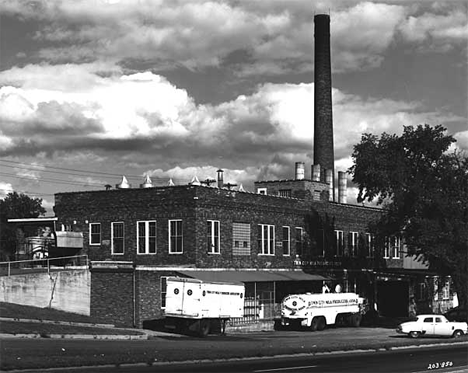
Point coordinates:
[(146, 121), (439, 31), (5, 188), (198, 34)]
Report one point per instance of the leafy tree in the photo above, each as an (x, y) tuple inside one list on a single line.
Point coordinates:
[(13, 206), (424, 189)]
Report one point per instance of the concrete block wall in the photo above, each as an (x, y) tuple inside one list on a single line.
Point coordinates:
[(62, 290)]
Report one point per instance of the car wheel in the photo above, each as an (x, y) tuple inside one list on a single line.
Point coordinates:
[(414, 334), (457, 333)]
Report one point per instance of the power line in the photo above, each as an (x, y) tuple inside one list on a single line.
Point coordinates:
[(51, 180), (39, 168), (45, 168), (74, 172)]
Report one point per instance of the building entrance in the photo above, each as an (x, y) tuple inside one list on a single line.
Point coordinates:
[(392, 298)]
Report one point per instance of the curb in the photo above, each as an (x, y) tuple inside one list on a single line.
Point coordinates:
[(71, 323), (77, 336)]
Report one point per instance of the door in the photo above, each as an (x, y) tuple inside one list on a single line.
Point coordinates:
[(191, 299), (393, 298), (441, 327), (428, 326)]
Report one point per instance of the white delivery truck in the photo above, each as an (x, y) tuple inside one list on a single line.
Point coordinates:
[(316, 311), (202, 306)]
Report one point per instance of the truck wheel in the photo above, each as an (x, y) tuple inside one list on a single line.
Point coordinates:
[(204, 327), (457, 334), (314, 324), (356, 320), (322, 323), (414, 334)]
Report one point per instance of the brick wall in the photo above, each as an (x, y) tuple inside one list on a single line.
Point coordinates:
[(196, 205), (112, 295)]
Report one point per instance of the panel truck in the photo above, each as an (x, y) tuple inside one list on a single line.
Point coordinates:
[(316, 311), (199, 306)]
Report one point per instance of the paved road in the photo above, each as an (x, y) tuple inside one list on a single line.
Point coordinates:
[(44, 353)]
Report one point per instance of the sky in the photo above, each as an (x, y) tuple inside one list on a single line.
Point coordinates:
[(93, 90)]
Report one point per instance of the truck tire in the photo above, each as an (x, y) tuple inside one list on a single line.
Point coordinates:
[(322, 323), (314, 324), (354, 320), (204, 328)]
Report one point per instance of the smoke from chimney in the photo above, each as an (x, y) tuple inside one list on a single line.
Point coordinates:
[(323, 120)]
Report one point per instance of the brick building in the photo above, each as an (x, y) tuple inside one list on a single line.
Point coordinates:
[(288, 237)]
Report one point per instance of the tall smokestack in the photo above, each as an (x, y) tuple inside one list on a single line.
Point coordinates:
[(323, 120)]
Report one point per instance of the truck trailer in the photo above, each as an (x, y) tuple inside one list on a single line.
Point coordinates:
[(199, 306), (316, 311)]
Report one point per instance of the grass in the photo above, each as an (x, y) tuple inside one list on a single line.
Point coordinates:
[(45, 330), (16, 311)]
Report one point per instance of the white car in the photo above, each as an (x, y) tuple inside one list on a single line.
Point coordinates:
[(432, 325)]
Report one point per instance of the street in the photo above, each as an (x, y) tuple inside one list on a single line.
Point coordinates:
[(442, 359), (150, 354)]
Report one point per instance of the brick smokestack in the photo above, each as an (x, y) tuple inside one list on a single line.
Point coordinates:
[(323, 120)]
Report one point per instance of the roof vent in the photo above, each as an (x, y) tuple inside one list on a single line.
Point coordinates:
[(147, 183), (195, 181), (124, 184)]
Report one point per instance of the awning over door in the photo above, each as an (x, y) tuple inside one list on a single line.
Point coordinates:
[(252, 276)]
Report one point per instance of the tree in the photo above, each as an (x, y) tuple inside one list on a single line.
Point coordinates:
[(13, 206), (424, 189)]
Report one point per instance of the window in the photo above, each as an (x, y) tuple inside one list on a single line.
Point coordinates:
[(370, 246), (163, 292), (353, 243), (175, 237), (146, 237), (240, 239), (339, 239), (285, 193), (321, 242), (436, 288), (117, 237), (316, 195), (286, 241), (446, 290), (262, 191), (94, 233), (212, 236), (428, 319), (299, 241), (421, 291), (266, 239), (387, 248), (395, 247)]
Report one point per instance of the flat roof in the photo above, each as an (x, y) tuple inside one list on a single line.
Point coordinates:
[(252, 276), (34, 220)]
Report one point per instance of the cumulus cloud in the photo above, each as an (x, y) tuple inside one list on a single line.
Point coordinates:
[(439, 31), (197, 34), (150, 121), (5, 188)]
